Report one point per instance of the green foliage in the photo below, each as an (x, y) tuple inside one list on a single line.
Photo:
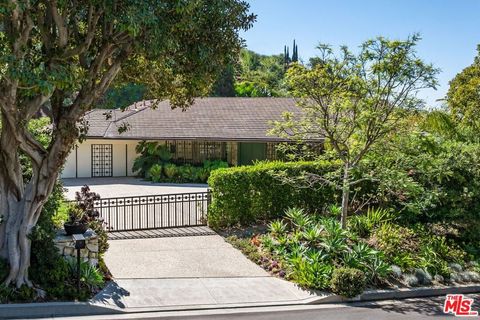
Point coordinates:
[(86, 202), (151, 153), (463, 100), (48, 269), (417, 248), (310, 272), (89, 275), (363, 224), (214, 164), (3, 269), (352, 101), (75, 215), (430, 179), (188, 172), (122, 96), (171, 170), (311, 247), (259, 75), (183, 173), (243, 195), (348, 282), (61, 215), (155, 172)]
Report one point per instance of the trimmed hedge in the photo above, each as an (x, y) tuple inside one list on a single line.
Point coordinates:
[(243, 195)]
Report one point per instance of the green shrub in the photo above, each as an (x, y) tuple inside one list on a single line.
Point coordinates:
[(214, 164), (203, 174), (188, 173), (155, 173), (3, 269), (243, 195), (310, 273), (89, 275), (348, 282), (150, 153), (171, 170)]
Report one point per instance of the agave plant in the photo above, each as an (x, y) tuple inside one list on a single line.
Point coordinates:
[(297, 217), (277, 227), (89, 274), (312, 234)]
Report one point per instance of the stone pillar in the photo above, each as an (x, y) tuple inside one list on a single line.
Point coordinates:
[(66, 246)]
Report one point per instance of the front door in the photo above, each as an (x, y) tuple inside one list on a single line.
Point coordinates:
[(102, 158)]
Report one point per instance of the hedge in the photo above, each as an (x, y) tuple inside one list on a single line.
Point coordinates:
[(243, 195)]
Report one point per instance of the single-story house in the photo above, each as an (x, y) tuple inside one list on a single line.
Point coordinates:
[(228, 129)]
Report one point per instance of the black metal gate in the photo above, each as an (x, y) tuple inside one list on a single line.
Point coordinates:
[(154, 212), (102, 158)]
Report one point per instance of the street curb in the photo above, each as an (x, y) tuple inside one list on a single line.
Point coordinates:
[(65, 309), (402, 293), (53, 309)]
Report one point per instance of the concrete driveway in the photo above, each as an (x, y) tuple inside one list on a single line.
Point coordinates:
[(178, 257), (191, 272), (127, 186)]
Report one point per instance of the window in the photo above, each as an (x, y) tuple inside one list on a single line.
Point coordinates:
[(195, 152)]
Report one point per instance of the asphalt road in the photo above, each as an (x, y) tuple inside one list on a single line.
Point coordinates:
[(420, 308), (426, 308)]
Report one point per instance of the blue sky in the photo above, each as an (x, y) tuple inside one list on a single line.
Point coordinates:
[(450, 29)]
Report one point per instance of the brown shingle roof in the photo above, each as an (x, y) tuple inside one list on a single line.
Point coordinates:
[(241, 119)]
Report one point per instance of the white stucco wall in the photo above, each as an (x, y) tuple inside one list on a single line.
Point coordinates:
[(123, 154)]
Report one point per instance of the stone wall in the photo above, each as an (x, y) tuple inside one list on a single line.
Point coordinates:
[(66, 246)]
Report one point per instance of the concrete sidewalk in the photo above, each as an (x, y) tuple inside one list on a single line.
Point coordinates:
[(164, 294)]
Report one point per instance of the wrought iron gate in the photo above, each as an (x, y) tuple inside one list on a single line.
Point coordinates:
[(102, 158), (154, 212)]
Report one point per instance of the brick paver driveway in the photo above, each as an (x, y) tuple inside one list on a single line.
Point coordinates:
[(125, 187)]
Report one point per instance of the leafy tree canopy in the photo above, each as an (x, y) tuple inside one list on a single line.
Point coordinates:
[(352, 101), (66, 54), (463, 97)]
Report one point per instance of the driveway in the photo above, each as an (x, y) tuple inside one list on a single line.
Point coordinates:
[(190, 271), (127, 186), (178, 257)]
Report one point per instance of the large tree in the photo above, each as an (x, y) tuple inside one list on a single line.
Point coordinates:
[(352, 101), (64, 54), (463, 97)]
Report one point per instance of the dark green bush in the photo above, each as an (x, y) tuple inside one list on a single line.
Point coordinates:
[(243, 195), (3, 269), (348, 282)]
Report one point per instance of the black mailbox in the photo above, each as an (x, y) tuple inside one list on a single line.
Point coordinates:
[(79, 241)]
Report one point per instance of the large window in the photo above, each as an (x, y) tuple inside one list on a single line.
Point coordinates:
[(196, 152)]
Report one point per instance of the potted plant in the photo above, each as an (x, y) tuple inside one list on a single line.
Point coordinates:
[(83, 212), (76, 222)]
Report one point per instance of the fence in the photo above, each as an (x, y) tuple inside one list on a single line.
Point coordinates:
[(154, 211)]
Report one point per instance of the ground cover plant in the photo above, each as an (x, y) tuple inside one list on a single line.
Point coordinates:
[(315, 252)]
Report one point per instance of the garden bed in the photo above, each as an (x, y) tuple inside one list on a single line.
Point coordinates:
[(374, 253)]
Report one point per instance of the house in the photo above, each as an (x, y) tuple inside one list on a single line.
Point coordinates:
[(228, 129)]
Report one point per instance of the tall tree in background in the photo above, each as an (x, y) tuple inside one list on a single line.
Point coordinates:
[(286, 55), (463, 96), (259, 75), (353, 101), (66, 54)]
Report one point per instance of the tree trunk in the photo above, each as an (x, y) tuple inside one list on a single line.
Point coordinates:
[(345, 195), (19, 216), (20, 204)]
